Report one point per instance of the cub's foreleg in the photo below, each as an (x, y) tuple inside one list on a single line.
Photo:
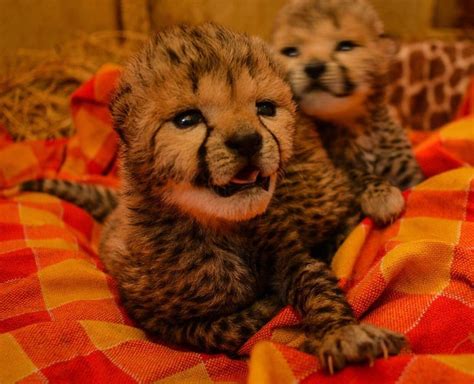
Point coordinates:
[(378, 198), (396, 160), (333, 332)]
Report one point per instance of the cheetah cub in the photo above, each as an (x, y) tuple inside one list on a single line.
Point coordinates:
[(337, 59), (208, 241)]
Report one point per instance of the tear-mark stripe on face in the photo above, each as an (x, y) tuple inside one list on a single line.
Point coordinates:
[(348, 84), (274, 137), (203, 175)]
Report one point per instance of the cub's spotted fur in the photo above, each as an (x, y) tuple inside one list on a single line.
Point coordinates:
[(209, 240), (337, 59)]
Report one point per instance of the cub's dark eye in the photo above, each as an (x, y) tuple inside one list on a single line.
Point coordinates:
[(290, 51), (346, 45), (266, 108), (188, 119)]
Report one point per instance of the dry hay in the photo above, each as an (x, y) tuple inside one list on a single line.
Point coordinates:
[(35, 88)]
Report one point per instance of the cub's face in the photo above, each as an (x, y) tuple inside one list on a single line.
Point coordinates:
[(334, 54), (206, 122)]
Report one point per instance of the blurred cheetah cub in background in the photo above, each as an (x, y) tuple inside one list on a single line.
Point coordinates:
[(337, 60)]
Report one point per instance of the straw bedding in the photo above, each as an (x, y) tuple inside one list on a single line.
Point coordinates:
[(37, 84)]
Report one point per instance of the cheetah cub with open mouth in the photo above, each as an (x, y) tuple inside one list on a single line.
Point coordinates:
[(337, 59), (208, 240)]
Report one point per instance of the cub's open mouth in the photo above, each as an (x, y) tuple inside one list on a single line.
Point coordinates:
[(246, 178), (316, 86)]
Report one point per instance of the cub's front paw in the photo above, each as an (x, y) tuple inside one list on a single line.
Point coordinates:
[(382, 203), (354, 344)]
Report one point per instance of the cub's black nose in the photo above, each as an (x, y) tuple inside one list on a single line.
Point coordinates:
[(315, 69), (245, 144)]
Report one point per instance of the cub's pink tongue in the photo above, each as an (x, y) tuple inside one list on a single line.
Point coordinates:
[(246, 176)]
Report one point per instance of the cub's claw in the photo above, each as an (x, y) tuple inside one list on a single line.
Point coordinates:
[(329, 365), (384, 349), (361, 343)]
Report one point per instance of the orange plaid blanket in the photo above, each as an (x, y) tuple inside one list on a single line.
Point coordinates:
[(61, 321)]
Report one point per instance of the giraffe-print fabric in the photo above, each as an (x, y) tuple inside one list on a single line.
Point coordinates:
[(429, 79)]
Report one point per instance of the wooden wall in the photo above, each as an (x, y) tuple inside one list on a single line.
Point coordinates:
[(45, 23), (251, 16), (414, 19), (42, 24)]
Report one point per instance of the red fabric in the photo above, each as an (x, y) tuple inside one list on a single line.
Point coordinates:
[(60, 316), (467, 105)]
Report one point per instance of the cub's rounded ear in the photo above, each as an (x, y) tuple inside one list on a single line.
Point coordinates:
[(120, 108), (389, 44)]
